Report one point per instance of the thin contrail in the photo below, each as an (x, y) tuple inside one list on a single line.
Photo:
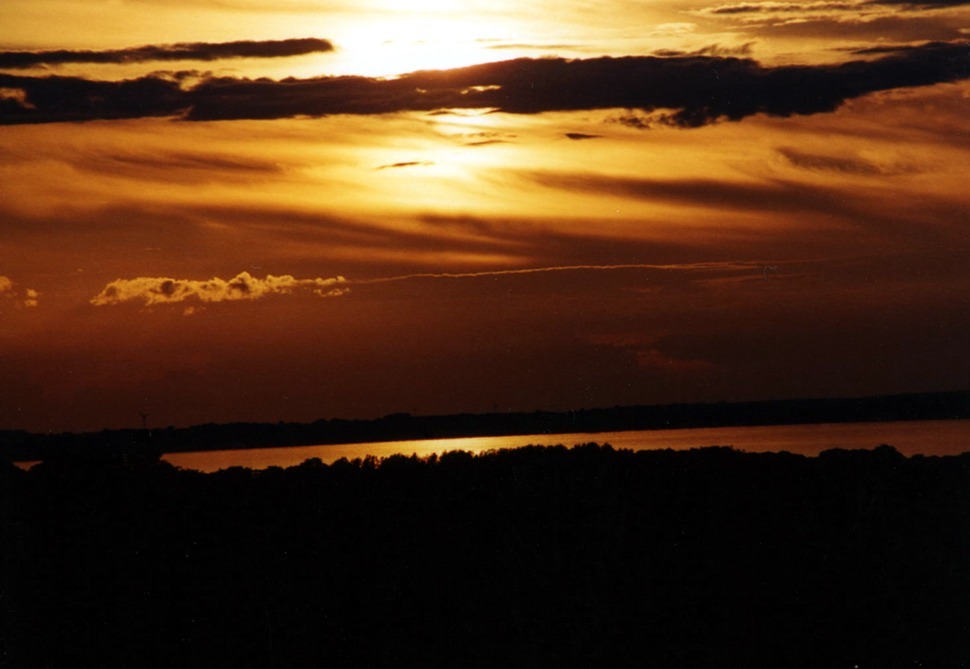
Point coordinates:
[(558, 268)]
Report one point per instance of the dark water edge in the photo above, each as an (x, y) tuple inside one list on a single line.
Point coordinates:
[(539, 557)]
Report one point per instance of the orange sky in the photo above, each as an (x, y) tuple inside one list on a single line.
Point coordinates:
[(207, 216)]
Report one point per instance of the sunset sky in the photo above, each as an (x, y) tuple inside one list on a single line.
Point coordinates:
[(242, 210)]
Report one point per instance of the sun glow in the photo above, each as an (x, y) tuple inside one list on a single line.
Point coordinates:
[(402, 43)]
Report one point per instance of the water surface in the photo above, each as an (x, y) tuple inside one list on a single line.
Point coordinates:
[(934, 437)]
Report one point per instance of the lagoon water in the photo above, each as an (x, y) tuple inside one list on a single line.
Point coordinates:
[(938, 437)]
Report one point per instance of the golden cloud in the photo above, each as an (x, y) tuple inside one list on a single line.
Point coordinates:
[(243, 286), (27, 299)]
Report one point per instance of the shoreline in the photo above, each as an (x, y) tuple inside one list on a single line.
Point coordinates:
[(25, 446)]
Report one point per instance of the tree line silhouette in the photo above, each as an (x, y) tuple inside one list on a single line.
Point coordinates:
[(22, 445), (538, 557)]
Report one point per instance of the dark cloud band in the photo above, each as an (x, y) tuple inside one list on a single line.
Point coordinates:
[(686, 91), (167, 52), (923, 4), (778, 8)]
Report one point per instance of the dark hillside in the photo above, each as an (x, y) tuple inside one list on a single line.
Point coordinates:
[(535, 557)]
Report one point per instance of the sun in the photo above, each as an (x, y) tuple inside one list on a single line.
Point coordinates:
[(428, 35)]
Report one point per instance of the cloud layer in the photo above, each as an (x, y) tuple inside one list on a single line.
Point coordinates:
[(243, 286), (684, 91), (206, 51)]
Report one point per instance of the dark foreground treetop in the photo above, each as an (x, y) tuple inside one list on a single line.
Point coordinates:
[(534, 557)]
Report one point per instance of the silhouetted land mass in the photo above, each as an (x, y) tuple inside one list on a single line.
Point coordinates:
[(533, 557), (19, 445)]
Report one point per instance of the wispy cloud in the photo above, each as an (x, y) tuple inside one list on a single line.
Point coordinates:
[(924, 4), (205, 51), (27, 297), (710, 193), (773, 15), (769, 7), (840, 164), (650, 356), (718, 50), (409, 163), (160, 290), (726, 266), (696, 90)]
